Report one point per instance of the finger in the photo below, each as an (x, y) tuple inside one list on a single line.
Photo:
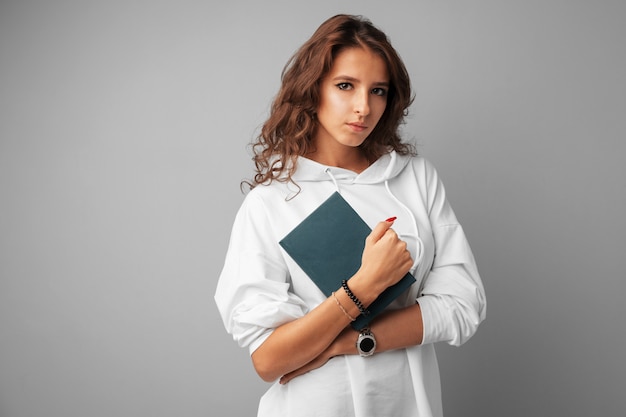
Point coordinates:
[(314, 364), (291, 375), (380, 229)]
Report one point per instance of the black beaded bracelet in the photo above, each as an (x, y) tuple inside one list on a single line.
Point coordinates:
[(355, 300)]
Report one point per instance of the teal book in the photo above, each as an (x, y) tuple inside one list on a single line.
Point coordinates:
[(328, 246)]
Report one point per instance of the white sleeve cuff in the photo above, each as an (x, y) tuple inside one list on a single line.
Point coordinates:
[(435, 320)]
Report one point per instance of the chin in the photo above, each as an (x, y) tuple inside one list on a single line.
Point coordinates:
[(354, 142)]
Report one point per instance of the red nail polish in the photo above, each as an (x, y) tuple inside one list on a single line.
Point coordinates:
[(391, 219)]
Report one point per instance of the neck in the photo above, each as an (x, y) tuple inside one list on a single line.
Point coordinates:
[(353, 159)]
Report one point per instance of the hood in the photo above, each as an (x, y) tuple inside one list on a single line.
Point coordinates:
[(386, 167)]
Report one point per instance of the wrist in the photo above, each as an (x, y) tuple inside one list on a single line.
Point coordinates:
[(357, 302), (349, 308), (366, 291), (344, 344)]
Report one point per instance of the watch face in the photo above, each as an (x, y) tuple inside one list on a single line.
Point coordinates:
[(367, 344)]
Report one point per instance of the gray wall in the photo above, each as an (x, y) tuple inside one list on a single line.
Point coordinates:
[(123, 133)]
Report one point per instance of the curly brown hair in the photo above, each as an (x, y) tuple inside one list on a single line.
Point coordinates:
[(288, 131)]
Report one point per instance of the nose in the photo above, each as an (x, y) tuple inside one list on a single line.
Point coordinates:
[(362, 103)]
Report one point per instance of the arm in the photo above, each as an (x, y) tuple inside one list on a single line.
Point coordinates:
[(452, 299), (451, 305), (296, 343), (394, 329)]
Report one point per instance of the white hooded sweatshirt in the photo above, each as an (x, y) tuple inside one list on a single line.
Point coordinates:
[(261, 287)]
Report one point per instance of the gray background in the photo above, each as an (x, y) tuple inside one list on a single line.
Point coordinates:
[(124, 126)]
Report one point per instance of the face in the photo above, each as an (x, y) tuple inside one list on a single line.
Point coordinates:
[(353, 97)]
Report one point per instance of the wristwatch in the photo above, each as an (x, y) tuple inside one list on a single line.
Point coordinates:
[(366, 342)]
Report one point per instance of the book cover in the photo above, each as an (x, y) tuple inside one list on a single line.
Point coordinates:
[(328, 245)]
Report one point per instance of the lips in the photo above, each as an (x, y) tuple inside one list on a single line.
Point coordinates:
[(357, 127)]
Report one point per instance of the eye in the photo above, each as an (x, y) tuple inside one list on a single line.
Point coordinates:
[(379, 92), (344, 86)]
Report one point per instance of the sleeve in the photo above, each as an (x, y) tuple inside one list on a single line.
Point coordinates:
[(252, 294), (452, 301)]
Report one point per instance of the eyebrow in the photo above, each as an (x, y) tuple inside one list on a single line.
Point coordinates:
[(352, 79)]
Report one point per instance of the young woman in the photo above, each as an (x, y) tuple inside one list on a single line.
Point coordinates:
[(333, 127)]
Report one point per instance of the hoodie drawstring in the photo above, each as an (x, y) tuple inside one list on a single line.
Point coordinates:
[(332, 177), (420, 245)]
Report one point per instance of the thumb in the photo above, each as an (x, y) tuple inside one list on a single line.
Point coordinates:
[(380, 229)]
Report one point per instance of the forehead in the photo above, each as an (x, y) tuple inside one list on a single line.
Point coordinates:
[(360, 63)]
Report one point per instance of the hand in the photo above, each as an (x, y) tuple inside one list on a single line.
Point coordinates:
[(385, 257), (344, 344), (314, 364)]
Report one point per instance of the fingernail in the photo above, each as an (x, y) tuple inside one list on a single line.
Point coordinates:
[(391, 219)]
